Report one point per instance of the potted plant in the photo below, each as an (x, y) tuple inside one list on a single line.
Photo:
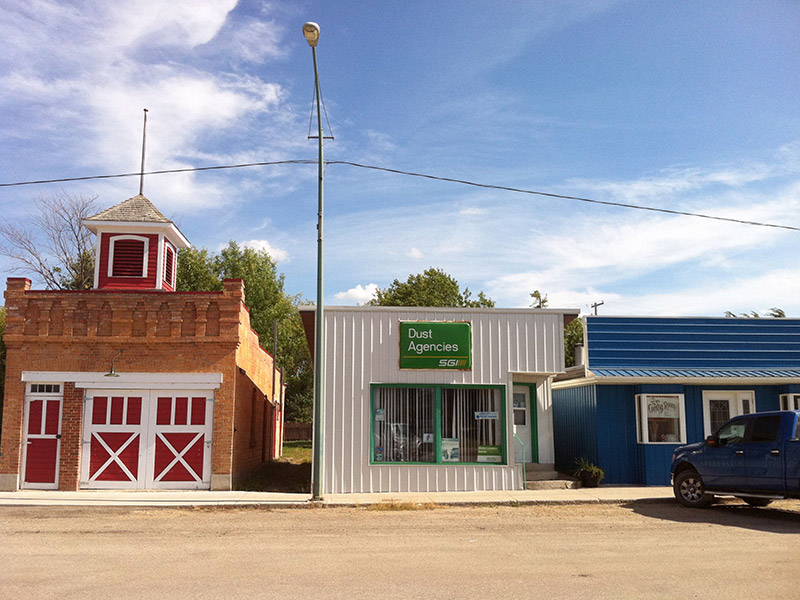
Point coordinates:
[(590, 475)]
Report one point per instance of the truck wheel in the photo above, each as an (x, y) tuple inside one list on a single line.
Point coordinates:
[(688, 490), (757, 501)]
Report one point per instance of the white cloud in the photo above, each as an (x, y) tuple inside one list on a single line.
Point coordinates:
[(677, 182), (472, 211), (775, 288), (359, 294), (257, 41), (115, 59), (380, 142), (638, 262), (276, 253), (415, 253)]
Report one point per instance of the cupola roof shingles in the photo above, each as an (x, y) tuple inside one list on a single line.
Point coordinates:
[(136, 210)]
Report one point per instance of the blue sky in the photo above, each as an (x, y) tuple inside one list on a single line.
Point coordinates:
[(689, 106)]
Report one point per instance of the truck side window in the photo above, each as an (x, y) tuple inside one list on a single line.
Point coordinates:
[(765, 429), (732, 433)]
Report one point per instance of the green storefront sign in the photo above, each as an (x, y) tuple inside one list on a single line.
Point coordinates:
[(490, 454), (435, 345)]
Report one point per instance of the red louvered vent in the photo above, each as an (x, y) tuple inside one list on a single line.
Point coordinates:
[(128, 258), (169, 263)]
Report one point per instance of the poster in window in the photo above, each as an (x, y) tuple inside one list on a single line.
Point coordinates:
[(490, 454), (450, 451)]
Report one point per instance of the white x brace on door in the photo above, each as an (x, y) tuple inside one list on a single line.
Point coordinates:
[(147, 439)]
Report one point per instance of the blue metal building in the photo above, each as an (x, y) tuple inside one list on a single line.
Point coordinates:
[(648, 385)]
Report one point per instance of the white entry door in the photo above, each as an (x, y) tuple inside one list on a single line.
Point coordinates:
[(720, 406), (147, 439), (522, 424)]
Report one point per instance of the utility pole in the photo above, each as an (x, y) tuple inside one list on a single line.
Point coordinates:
[(595, 305)]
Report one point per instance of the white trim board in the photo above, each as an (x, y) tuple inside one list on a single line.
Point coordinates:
[(98, 227), (140, 381), (594, 380), (145, 255)]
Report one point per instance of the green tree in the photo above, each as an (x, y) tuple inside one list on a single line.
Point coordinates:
[(774, 312), (196, 272), (267, 302), (538, 300), (573, 335), (433, 287)]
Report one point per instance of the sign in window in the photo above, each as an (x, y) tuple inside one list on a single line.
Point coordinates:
[(661, 418)]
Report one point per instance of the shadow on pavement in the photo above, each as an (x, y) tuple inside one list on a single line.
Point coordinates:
[(280, 477), (779, 517)]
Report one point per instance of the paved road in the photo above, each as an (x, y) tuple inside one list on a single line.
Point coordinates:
[(639, 550)]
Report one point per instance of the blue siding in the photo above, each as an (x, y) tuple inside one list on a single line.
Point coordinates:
[(655, 460), (693, 399), (598, 422), (574, 426), (692, 343), (616, 433)]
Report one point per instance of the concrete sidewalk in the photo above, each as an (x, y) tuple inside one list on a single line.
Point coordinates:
[(606, 494)]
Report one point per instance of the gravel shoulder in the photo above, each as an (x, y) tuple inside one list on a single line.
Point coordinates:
[(637, 550)]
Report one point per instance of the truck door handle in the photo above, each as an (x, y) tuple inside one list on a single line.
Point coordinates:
[(740, 453), (775, 452)]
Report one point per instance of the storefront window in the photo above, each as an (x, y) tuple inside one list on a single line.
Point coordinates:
[(405, 423), (471, 425), (661, 418)]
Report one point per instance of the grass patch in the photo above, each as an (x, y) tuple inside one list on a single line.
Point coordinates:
[(297, 453), (290, 473)]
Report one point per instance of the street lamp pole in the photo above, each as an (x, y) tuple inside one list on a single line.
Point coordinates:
[(311, 33)]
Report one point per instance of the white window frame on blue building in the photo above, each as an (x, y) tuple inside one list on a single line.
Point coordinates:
[(653, 416)]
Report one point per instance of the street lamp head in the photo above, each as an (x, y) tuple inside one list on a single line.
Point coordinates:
[(311, 33)]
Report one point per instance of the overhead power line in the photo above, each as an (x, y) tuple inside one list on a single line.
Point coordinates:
[(413, 174), (564, 197), (164, 172)]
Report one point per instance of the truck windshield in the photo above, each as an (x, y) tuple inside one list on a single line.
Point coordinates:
[(732, 433)]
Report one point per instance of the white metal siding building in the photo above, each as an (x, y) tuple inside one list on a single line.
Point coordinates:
[(458, 432)]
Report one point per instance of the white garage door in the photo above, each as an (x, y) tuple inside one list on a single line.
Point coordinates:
[(147, 439)]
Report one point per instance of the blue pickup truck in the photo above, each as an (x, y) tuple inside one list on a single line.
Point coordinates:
[(754, 457)]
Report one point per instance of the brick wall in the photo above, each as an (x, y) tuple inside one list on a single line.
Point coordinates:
[(141, 332), (70, 462), (248, 440)]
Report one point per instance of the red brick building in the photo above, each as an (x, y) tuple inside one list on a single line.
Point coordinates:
[(132, 385)]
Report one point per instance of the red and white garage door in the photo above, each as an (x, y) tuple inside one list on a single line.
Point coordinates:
[(147, 439)]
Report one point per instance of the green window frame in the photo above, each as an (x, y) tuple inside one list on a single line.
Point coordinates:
[(437, 424)]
